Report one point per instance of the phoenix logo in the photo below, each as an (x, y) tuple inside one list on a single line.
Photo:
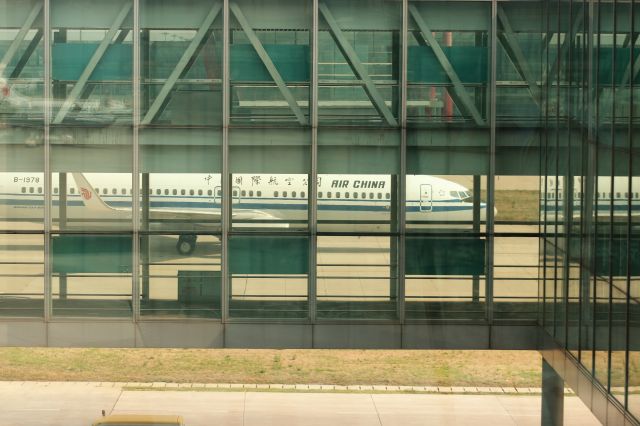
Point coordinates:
[(86, 194)]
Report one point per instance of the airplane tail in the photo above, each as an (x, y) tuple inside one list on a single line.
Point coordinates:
[(90, 197)]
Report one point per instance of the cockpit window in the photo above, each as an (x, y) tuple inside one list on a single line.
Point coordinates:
[(454, 194)]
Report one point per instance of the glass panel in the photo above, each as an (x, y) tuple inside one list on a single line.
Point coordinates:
[(270, 178), (359, 62), (91, 275), (21, 115), (448, 62), (180, 276), (357, 277), (270, 62), (445, 277), (92, 64), (91, 201), (268, 276), (22, 275)]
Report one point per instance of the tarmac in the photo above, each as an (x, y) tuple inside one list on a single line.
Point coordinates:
[(80, 403)]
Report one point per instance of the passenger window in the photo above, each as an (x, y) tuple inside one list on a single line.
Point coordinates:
[(259, 193), (39, 190), (319, 194), (55, 190), (387, 196), (72, 190), (346, 195), (371, 195), (24, 190), (174, 192), (235, 193), (105, 191), (328, 194), (123, 191), (150, 191), (301, 194), (243, 193), (284, 193), (209, 192), (219, 192), (166, 192), (355, 195), (275, 194), (337, 195), (192, 192), (158, 192), (618, 195), (293, 194), (98, 191), (183, 192), (199, 191), (31, 190), (250, 193), (364, 195), (379, 196)]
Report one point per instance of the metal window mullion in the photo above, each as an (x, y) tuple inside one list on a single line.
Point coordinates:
[(629, 211), (47, 166), (225, 216), (135, 181), (612, 197), (401, 208), (313, 177), (492, 164)]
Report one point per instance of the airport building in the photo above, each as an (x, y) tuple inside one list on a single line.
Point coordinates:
[(327, 174)]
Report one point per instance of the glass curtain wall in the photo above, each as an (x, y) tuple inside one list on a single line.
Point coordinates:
[(22, 158), (300, 161), (589, 194)]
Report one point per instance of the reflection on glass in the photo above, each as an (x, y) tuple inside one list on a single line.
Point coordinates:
[(270, 68), (91, 275), (437, 58), (185, 202), (182, 63), (22, 275), (362, 203), (444, 203), (269, 201), (358, 62), (268, 276), (179, 283), (357, 277), (92, 66), (445, 277), (91, 201)]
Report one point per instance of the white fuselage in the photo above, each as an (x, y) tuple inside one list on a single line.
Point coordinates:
[(281, 197)]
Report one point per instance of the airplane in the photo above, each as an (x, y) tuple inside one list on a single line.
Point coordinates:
[(264, 200), (553, 194)]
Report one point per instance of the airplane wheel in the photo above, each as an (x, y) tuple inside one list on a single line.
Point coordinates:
[(186, 244)]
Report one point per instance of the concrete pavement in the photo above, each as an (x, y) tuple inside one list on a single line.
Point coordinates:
[(70, 404)]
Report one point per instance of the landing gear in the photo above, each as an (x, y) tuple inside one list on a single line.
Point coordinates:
[(186, 244)]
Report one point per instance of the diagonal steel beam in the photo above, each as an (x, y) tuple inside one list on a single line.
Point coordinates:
[(460, 94), (268, 63), (26, 55), (22, 33), (631, 72), (564, 47), (181, 67), (93, 63), (356, 65), (513, 50)]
